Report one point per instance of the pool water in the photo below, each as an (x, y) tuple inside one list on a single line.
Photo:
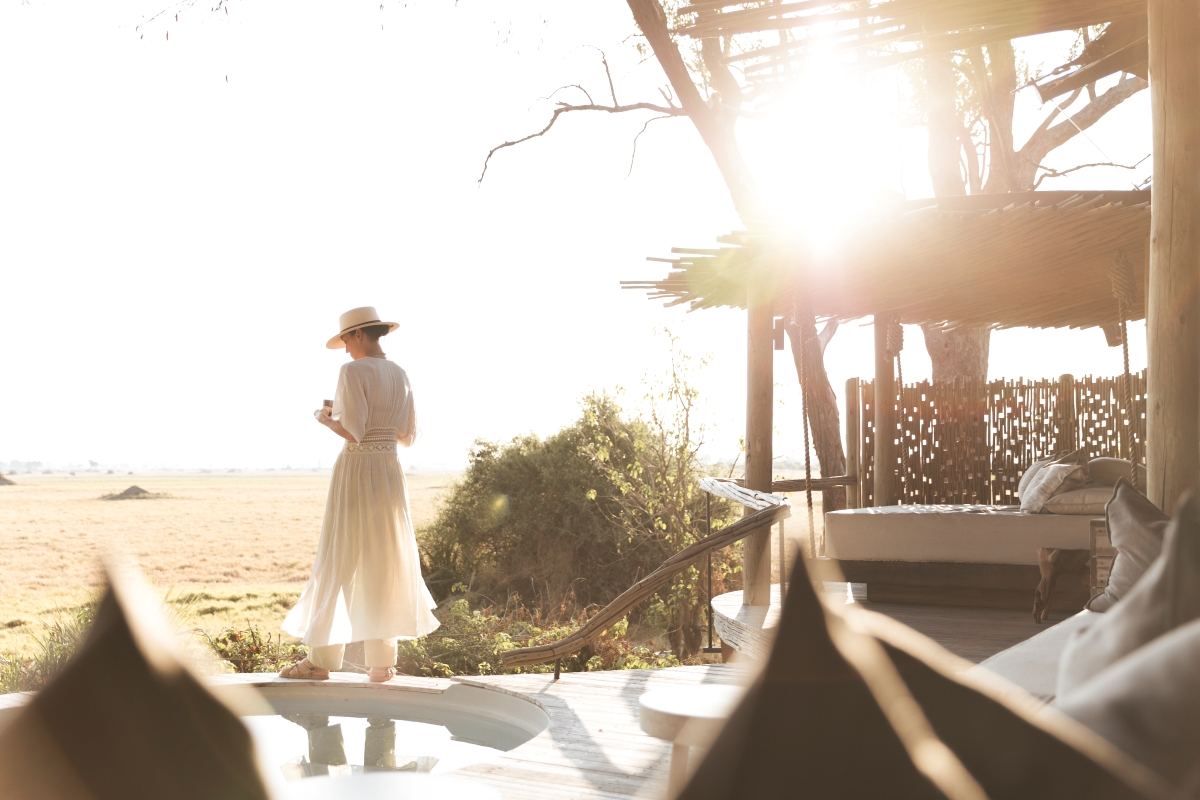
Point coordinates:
[(305, 745)]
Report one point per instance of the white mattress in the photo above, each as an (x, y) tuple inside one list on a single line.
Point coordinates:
[(967, 534), (1033, 664)]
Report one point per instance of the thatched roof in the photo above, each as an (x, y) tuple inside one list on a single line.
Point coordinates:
[(1036, 259), (881, 33)]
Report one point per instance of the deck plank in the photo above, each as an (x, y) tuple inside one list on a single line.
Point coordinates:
[(972, 633), (594, 747)]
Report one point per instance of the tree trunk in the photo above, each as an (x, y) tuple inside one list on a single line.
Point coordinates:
[(823, 409), (715, 126), (958, 353), (961, 352)]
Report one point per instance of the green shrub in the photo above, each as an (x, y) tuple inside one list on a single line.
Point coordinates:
[(472, 643), (54, 648), (524, 520), (577, 518), (247, 650)]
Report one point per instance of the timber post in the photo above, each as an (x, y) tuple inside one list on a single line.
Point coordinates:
[(885, 418), (1068, 420), (760, 379), (1173, 302), (853, 444)]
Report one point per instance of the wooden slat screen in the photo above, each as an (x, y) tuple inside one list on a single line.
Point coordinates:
[(970, 441)]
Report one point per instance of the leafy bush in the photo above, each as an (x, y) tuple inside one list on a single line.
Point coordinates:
[(55, 648), (247, 650), (472, 642), (575, 519), (524, 520)]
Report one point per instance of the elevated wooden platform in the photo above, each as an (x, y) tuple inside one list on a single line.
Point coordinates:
[(970, 632), (593, 747)]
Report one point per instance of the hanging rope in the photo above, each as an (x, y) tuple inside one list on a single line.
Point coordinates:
[(800, 323), (1124, 288)]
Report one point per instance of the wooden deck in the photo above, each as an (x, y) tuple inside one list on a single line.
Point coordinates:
[(971, 633), (593, 747)]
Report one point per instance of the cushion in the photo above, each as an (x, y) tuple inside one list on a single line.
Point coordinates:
[(839, 685), (1166, 596), (1033, 664), (1148, 704), (1089, 500), (1135, 527), (1030, 474), (1107, 471), (127, 719), (1051, 479)]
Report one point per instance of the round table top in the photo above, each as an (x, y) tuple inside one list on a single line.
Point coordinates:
[(691, 715)]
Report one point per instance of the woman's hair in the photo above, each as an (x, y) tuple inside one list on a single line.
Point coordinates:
[(373, 332)]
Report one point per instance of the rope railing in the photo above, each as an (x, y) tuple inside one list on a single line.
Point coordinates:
[(768, 509)]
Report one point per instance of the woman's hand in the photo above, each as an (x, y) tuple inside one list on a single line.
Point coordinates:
[(325, 417)]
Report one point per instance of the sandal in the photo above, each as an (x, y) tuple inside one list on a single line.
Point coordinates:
[(381, 674), (304, 670)]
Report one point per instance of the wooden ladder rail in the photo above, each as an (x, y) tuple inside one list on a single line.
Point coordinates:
[(768, 509), (818, 484)]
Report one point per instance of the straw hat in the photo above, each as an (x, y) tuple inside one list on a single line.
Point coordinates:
[(357, 318)]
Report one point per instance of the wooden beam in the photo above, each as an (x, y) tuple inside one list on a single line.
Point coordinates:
[(760, 351), (853, 443), (1173, 313), (886, 492)]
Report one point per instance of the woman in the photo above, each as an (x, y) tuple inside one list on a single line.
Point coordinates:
[(366, 580)]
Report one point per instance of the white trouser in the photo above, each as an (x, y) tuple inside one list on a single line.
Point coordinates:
[(378, 653)]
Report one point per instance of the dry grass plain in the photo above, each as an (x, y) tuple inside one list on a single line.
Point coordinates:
[(244, 542)]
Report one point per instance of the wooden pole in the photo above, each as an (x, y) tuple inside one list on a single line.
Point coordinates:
[(1173, 304), (760, 339), (1069, 431), (853, 443), (885, 418)]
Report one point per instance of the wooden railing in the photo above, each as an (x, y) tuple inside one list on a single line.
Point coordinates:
[(768, 509), (817, 484)]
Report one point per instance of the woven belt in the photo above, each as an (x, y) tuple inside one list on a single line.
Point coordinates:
[(374, 441)]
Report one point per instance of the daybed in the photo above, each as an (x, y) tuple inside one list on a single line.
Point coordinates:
[(977, 555), (954, 555)]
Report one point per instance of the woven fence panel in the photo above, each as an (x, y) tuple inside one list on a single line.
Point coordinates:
[(969, 441)]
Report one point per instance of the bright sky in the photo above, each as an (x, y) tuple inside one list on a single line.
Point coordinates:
[(187, 206)]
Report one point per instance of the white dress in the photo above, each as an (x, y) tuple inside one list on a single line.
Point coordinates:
[(366, 579)]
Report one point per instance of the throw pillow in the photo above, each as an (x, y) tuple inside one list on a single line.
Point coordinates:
[(817, 711), (1107, 471), (1089, 500), (1051, 479), (1166, 596), (1148, 705), (127, 719), (1135, 528), (1030, 475)]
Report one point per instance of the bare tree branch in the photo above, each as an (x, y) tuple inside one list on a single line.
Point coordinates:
[(563, 108), (1054, 173), (826, 334), (633, 155), (568, 86), (607, 73), (1053, 115), (1039, 145)]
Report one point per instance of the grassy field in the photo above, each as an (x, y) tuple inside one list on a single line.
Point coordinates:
[(244, 542)]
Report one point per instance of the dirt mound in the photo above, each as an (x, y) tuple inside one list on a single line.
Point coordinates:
[(132, 493), (6, 482)]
